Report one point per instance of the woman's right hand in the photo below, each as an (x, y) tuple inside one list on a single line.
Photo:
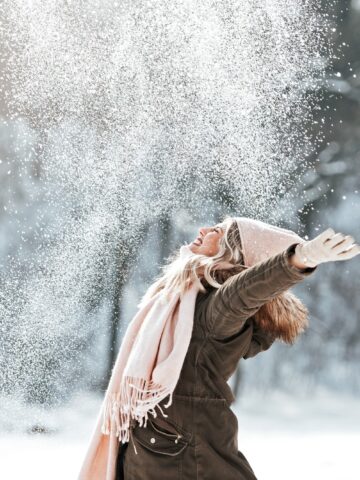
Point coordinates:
[(327, 247)]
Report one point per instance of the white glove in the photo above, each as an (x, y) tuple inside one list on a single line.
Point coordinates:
[(326, 247)]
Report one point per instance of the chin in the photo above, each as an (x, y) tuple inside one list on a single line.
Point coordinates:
[(195, 248)]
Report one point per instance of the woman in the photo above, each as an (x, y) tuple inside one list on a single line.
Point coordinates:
[(222, 298)]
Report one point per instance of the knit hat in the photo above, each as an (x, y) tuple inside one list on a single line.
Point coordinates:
[(259, 240)]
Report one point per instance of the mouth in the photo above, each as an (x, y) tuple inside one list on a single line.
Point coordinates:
[(198, 241)]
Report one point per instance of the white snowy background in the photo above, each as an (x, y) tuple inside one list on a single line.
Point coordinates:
[(124, 127)]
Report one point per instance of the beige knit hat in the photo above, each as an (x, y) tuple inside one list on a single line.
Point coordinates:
[(259, 240)]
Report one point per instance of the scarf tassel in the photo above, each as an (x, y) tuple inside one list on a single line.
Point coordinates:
[(135, 400)]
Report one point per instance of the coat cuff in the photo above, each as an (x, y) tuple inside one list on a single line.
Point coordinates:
[(291, 270)]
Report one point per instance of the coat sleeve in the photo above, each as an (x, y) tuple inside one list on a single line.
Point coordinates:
[(241, 295)]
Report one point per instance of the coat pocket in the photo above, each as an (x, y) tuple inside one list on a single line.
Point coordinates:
[(162, 437)]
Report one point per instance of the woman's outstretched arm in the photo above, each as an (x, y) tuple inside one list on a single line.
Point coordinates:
[(241, 295)]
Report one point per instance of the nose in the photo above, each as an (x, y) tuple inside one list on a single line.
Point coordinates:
[(202, 231)]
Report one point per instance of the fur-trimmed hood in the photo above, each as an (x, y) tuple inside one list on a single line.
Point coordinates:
[(285, 317)]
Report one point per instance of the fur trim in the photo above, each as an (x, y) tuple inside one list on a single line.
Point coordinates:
[(285, 316)]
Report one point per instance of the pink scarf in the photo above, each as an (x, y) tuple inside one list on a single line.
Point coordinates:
[(146, 371)]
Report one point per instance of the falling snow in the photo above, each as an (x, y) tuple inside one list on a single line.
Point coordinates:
[(134, 109)]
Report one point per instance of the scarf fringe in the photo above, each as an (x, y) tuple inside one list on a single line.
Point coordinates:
[(135, 400)]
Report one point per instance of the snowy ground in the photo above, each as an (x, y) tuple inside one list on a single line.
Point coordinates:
[(283, 438), (314, 438)]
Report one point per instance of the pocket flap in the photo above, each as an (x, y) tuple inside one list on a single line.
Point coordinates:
[(165, 441)]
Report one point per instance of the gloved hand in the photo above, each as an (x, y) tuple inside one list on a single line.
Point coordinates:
[(326, 247)]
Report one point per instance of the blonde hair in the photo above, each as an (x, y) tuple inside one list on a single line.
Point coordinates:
[(179, 272)]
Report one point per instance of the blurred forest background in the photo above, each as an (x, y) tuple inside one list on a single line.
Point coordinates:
[(56, 356)]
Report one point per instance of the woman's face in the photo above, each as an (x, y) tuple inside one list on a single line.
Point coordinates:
[(207, 243)]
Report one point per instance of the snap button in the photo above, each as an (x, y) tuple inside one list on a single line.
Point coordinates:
[(152, 440), (176, 440)]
